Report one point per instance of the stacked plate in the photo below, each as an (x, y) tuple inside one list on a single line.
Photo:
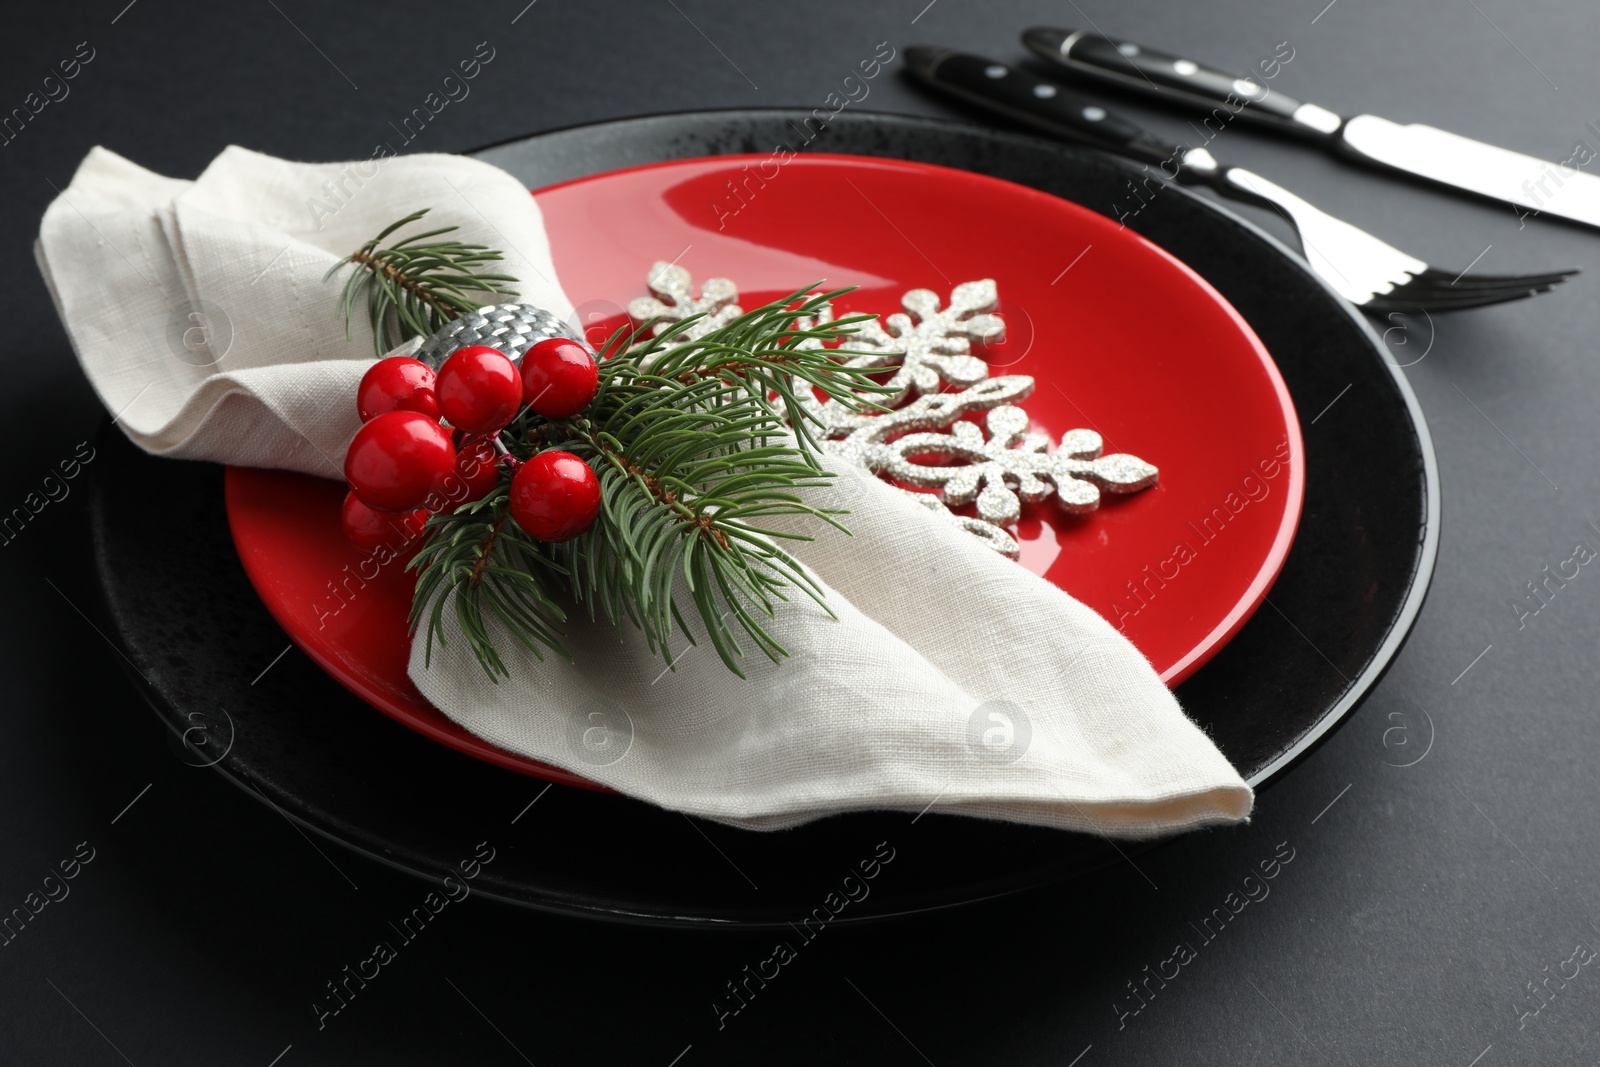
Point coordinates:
[(1271, 575)]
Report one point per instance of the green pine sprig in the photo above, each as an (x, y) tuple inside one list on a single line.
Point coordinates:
[(415, 286), (697, 448)]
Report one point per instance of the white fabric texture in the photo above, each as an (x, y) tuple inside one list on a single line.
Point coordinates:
[(953, 680)]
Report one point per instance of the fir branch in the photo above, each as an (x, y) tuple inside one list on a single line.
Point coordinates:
[(415, 286), (697, 446), (480, 555)]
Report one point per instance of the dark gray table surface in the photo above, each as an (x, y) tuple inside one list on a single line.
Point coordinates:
[(1427, 911)]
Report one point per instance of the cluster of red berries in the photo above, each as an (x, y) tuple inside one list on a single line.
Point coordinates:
[(403, 463)]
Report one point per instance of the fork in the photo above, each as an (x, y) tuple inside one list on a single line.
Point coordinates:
[(1370, 273), (1366, 271)]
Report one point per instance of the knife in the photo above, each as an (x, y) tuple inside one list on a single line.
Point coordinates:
[(1438, 155)]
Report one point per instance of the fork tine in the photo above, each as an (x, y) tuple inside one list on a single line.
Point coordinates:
[(1439, 279), (1468, 296), (1403, 298), (1384, 305), (1510, 284), (1449, 298), (1429, 288)]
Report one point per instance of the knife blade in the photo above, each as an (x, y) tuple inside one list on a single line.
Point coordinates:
[(1560, 189)]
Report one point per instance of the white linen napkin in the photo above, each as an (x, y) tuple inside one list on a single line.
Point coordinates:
[(953, 679), (198, 309)]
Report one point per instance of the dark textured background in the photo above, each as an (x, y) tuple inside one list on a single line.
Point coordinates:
[(1418, 906)]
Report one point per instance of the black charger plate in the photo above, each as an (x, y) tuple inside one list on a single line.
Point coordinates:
[(191, 624)]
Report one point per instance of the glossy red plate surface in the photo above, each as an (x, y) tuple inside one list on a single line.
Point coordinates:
[(1121, 337)]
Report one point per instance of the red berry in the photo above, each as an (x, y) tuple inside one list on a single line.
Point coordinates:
[(555, 496), (478, 465), (370, 530), (398, 383), (478, 389), (559, 377), (398, 460)]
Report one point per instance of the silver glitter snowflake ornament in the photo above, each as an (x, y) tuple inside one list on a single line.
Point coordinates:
[(997, 472), (938, 386)]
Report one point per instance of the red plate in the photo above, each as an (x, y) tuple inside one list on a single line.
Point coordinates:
[(1121, 337)]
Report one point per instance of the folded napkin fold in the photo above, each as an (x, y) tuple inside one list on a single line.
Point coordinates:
[(952, 679)]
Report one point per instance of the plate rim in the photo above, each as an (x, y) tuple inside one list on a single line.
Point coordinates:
[(1421, 581)]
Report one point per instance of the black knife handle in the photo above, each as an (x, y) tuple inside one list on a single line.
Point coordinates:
[(1029, 99), (1175, 79)]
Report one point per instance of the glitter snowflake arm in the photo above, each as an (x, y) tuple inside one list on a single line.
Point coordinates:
[(672, 302), (931, 346), (1013, 466)]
